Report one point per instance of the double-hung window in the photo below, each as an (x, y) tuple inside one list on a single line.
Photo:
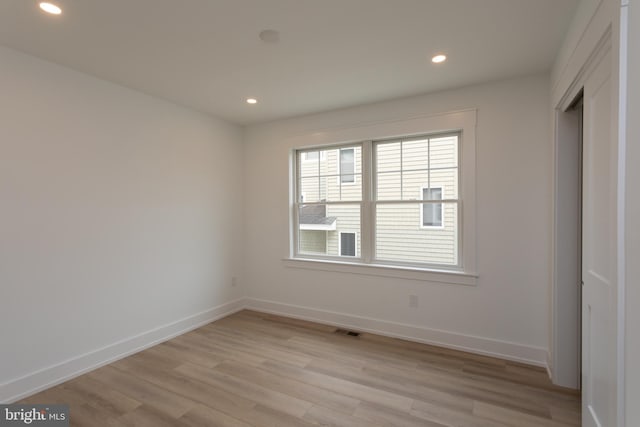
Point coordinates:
[(387, 205), (401, 195), (329, 216), (414, 222)]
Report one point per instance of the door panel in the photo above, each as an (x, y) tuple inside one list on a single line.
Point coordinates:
[(598, 265)]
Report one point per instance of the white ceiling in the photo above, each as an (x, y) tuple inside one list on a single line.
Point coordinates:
[(206, 54)]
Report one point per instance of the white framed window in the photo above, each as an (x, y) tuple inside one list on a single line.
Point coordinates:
[(406, 211), (327, 204), (347, 243), (347, 166), (405, 204), (431, 214)]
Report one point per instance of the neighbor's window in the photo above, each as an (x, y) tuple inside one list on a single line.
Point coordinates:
[(432, 211), (347, 244), (347, 165), (408, 212)]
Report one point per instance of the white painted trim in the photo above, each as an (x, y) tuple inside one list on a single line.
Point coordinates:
[(53, 375), (566, 69), (383, 270), (623, 52), (531, 355), (355, 233), (549, 366), (319, 227)]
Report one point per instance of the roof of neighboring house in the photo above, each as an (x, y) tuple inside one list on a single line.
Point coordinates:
[(314, 217), (317, 219)]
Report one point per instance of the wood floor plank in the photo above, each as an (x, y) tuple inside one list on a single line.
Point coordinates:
[(327, 417), (101, 396), (512, 417), (248, 390), (190, 388), (450, 417), (389, 417), (145, 416), (253, 369), (319, 396), (357, 391), (143, 391), (203, 415)]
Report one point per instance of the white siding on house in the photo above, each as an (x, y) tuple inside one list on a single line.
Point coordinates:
[(348, 221), (313, 242), (400, 237)]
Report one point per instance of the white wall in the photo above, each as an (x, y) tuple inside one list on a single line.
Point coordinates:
[(120, 213), (632, 374), (507, 312)]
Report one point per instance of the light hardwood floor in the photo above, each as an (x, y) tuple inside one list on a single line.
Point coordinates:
[(253, 369)]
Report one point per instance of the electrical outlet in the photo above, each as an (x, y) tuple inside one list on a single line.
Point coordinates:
[(234, 281), (413, 301)]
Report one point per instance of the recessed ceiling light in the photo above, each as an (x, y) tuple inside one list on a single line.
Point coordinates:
[(439, 58), (50, 8), (252, 101)]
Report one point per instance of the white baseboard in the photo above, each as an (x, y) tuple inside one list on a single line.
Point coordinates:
[(549, 367), (48, 377), (502, 349)]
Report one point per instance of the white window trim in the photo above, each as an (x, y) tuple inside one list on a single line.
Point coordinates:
[(349, 266), (431, 227), (463, 121), (318, 227), (355, 175), (340, 233)]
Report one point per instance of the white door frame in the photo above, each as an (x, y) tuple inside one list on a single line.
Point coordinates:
[(608, 42), (567, 250), (563, 339)]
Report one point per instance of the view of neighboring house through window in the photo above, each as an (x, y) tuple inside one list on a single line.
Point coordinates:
[(432, 212), (413, 215), (347, 244), (347, 165), (413, 222), (331, 181)]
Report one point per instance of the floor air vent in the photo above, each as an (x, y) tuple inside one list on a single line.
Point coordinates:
[(347, 333)]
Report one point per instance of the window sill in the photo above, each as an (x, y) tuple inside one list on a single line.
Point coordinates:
[(381, 270)]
